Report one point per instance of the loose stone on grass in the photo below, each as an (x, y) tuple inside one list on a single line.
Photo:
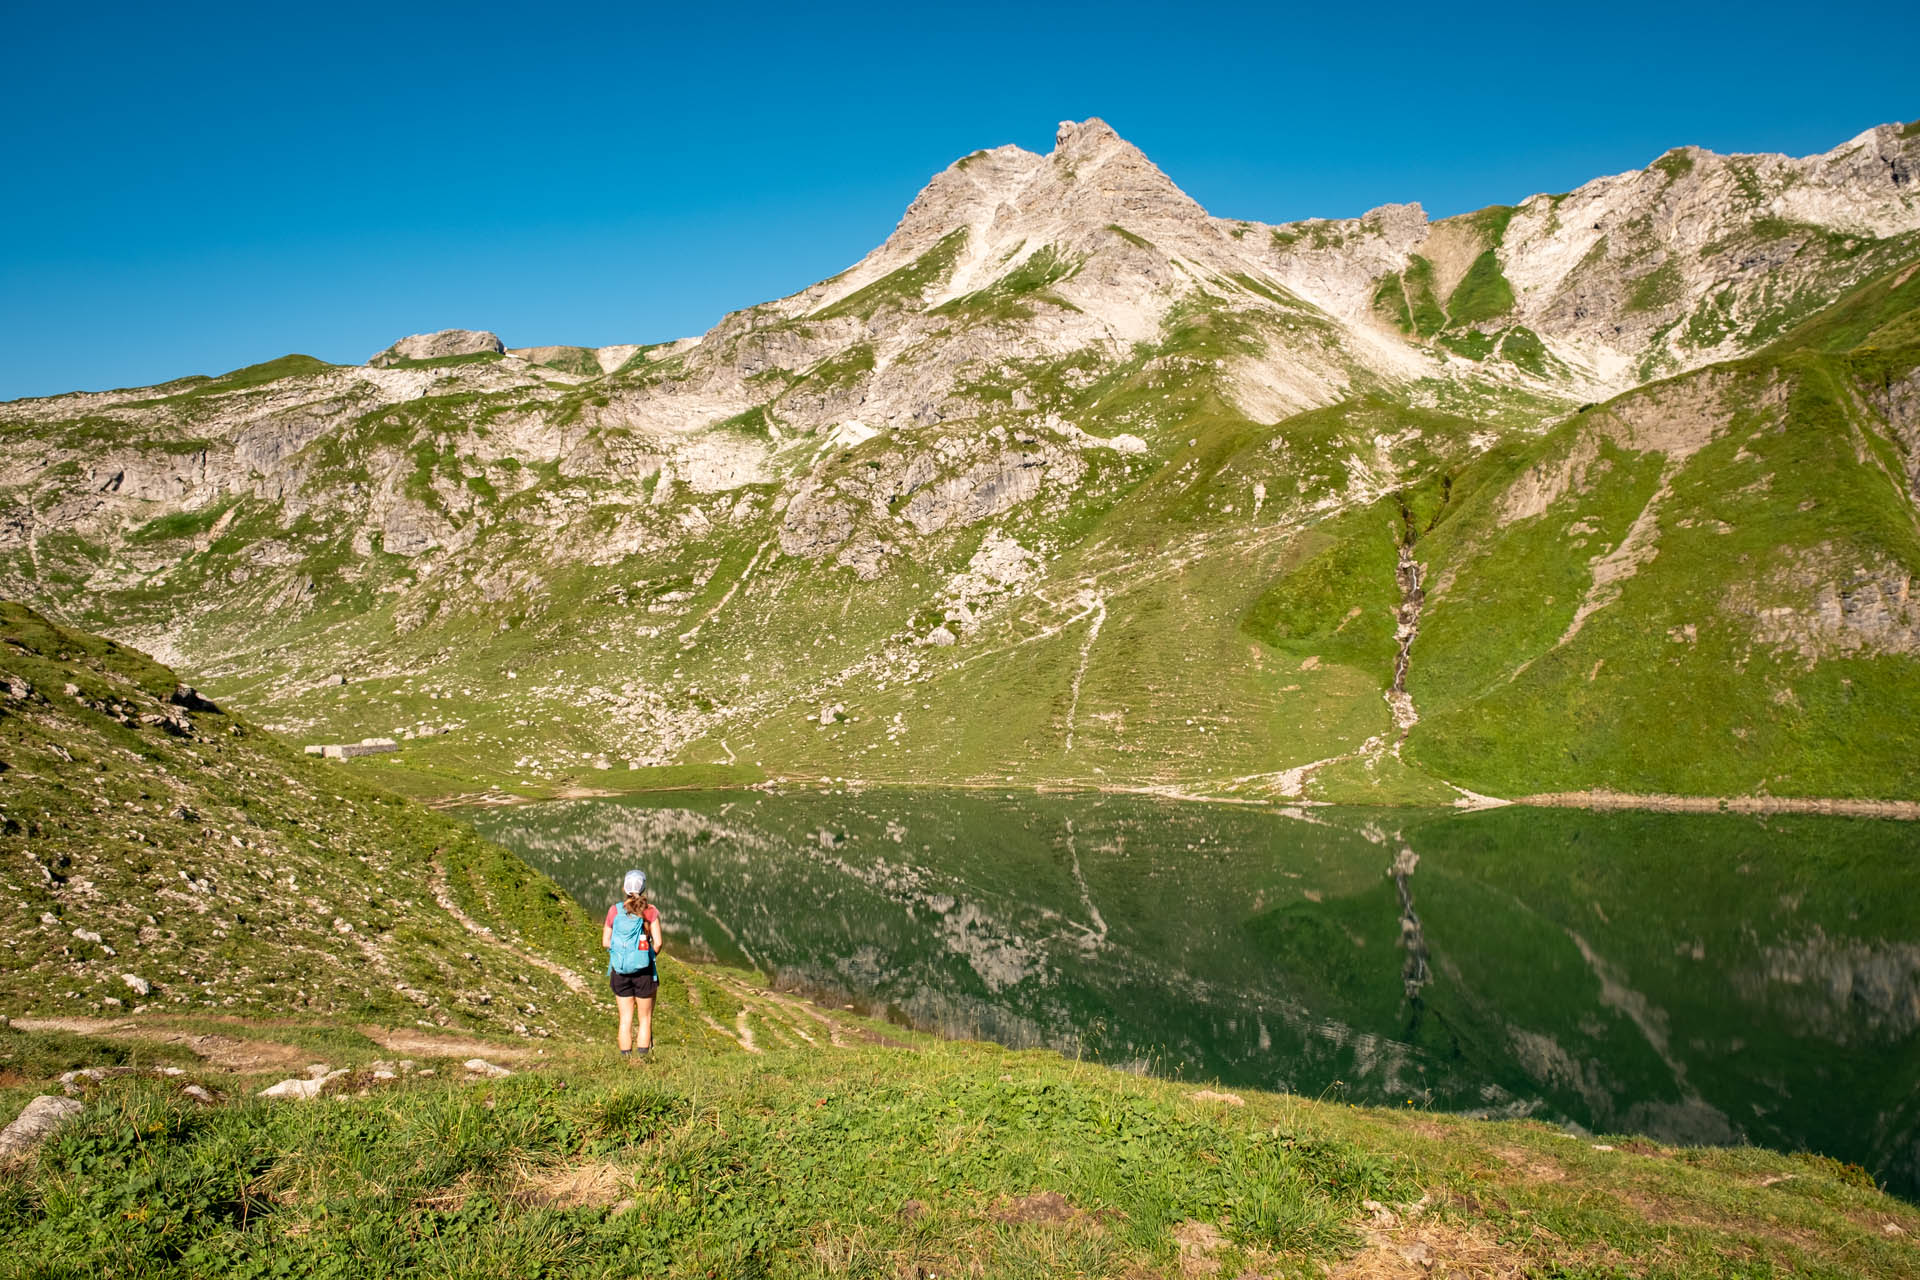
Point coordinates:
[(311, 1087), (45, 1116)]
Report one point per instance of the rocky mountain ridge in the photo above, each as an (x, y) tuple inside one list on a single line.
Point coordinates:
[(1058, 382)]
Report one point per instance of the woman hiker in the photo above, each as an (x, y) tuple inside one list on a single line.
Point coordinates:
[(632, 940)]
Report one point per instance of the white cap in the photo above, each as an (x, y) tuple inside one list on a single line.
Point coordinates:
[(636, 882)]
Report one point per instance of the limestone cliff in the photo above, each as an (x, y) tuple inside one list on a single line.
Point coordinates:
[(1062, 353)]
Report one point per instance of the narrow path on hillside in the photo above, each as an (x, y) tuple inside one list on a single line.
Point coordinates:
[(1113, 574), (1406, 300), (1080, 672), (1133, 579), (443, 894), (784, 1015), (1122, 577), (1292, 783), (699, 1006), (691, 633), (835, 1036), (33, 544), (1611, 571), (255, 1046)]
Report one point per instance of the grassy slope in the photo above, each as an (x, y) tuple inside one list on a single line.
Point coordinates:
[(766, 1137), (234, 875), (1191, 679), (865, 1158), (1801, 484), (1227, 651), (1182, 513)]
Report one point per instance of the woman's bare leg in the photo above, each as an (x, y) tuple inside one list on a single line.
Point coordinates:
[(626, 1021), (646, 1021)]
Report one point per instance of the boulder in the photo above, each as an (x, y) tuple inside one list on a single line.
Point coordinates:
[(188, 697), (435, 346), (74, 1083), (293, 1089), (38, 1121), (301, 1089), (481, 1067)]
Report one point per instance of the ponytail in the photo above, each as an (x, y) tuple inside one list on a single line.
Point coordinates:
[(637, 904)]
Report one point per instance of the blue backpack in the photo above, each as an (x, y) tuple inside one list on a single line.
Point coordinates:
[(632, 949)]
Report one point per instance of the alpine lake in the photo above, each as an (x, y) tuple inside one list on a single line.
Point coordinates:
[(1700, 979)]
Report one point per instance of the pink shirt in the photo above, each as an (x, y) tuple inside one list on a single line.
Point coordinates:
[(651, 914)]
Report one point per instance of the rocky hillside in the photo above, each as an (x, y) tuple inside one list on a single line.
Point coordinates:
[(1070, 481), (162, 857)]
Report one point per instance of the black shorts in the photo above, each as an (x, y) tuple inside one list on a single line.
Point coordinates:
[(644, 984)]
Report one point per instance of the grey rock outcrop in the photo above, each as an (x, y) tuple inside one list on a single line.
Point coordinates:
[(186, 696), (885, 416), (318, 1078), (353, 750), (436, 346), (39, 1120)]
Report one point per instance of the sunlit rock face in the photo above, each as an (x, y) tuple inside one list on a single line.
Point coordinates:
[(1165, 410)]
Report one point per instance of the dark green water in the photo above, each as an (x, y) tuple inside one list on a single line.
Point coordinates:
[(1702, 979)]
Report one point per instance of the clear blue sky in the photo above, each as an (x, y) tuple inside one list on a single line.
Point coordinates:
[(190, 188)]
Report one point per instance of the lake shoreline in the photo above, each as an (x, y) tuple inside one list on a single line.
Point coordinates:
[(1596, 799), (1827, 806)]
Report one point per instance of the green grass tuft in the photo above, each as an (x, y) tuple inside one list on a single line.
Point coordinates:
[(1482, 294), (904, 287)]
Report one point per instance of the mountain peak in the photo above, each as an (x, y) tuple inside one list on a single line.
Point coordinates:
[(1091, 144), (434, 346), (1090, 155), (1006, 197), (1085, 134)]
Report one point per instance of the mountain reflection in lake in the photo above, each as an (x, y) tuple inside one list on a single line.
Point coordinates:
[(1702, 979)]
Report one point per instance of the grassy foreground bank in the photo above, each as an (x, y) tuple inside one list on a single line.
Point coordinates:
[(768, 1137), (194, 912)]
